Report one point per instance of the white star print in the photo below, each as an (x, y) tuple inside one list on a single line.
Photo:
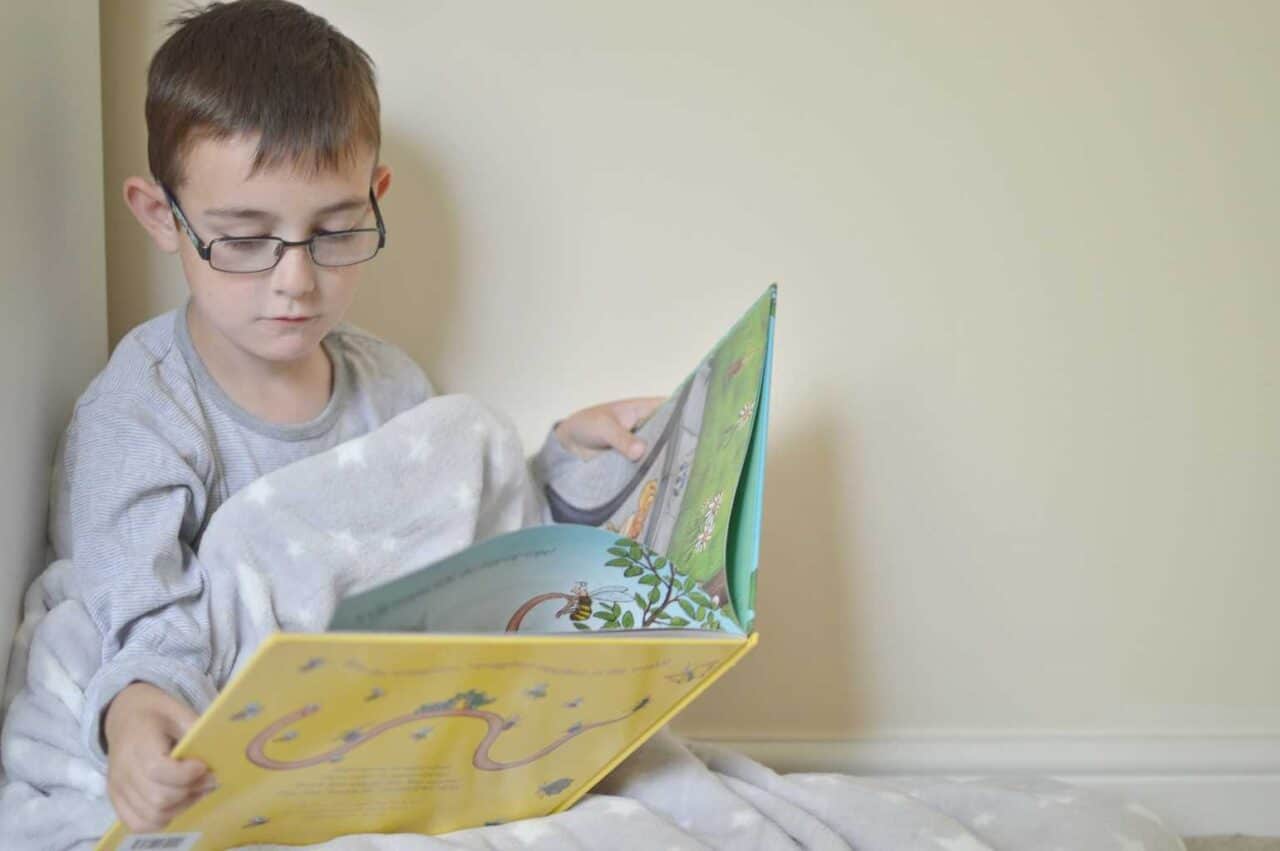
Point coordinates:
[(259, 492), (418, 446), (964, 842), (465, 494), (530, 831), (346, 541), (351, 452), (611, 806)]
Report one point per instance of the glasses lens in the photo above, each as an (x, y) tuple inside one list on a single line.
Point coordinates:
[(344, 249), (244, 255)]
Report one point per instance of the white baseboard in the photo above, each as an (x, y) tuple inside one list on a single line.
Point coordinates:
[(1199, 785)]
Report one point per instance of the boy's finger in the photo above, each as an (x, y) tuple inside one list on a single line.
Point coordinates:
[(131, 802), (126, 813), (173, 772), (621, 438), (163, 801), (632, 411), (157, 804), (145, 796), (172, 809), (180, 718), (197, 793)]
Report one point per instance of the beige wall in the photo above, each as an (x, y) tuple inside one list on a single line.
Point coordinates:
[(53, 330), (1025, 458)]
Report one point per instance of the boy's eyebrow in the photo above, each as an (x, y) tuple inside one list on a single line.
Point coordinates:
[(250, 213)]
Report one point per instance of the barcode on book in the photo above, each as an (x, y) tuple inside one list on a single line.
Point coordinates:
[(159, 842)]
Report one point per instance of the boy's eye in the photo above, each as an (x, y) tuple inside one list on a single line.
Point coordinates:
[(251, 245)]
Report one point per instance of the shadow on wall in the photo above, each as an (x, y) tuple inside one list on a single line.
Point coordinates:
[(409, 293), (807, 677)]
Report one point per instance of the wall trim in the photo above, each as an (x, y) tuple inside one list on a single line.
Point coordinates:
[(1199, 784)]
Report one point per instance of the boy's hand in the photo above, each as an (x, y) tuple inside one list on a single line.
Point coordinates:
[(147, 787), (608, 426)]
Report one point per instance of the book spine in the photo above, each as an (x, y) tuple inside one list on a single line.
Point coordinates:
[(678, 707)]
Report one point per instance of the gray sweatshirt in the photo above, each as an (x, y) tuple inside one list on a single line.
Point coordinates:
[(152, 449)]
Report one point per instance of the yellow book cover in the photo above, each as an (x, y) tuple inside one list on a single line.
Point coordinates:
[(504, 681)]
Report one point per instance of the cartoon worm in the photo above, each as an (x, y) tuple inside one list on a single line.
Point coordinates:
[(256, 750), (533, 602)]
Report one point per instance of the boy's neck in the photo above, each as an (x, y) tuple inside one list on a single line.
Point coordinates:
[(279, 393)]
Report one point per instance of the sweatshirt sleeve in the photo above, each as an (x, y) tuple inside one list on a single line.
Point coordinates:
[(128, 507), (582, 483)]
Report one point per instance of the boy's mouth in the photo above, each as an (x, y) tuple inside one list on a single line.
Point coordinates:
[(291, 319)]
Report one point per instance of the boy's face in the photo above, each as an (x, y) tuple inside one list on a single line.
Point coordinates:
[(219, 200)]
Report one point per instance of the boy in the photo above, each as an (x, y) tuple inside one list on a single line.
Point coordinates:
[(263, 139)]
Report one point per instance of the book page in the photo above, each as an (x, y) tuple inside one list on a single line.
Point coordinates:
[(680, 497), (334, 734), (558, 578)]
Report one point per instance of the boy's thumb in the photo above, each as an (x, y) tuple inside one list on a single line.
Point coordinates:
[(181, 719)]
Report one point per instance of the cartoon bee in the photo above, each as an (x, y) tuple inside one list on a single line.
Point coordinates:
[(257, 821), (311, 665), (511, 722), (250, 711), (352, 735), (419, 735), (575, 728), (286, 736), (537, 692), (689, 674), (375, 694), (555, 787), (471, 699), (579, 608), (573, 704)]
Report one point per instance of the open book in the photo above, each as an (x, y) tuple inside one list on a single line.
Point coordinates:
[(504, 681)]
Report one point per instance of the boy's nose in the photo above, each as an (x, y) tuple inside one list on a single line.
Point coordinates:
[(295, 274)]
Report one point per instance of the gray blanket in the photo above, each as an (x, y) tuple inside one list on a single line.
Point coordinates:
[(283, 551)]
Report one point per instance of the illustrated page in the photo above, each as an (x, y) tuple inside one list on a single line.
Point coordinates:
[(558, 578), (679, 501), (332, 734)]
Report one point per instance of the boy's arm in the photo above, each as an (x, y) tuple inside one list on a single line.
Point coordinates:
[(585, 472), (127, 504)]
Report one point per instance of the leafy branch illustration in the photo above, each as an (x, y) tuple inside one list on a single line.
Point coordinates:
[(667, 589)]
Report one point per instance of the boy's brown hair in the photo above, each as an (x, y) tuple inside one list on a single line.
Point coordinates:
[(260, 67)]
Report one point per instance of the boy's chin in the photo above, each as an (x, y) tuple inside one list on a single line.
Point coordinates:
[(284, 345)]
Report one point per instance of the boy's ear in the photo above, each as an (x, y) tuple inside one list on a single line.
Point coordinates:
[(146, 201), (381, 181)]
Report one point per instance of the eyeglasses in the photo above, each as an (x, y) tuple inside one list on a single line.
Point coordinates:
[(246, 255)]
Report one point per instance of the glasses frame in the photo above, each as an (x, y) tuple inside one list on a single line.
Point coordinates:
[(205, 249)]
